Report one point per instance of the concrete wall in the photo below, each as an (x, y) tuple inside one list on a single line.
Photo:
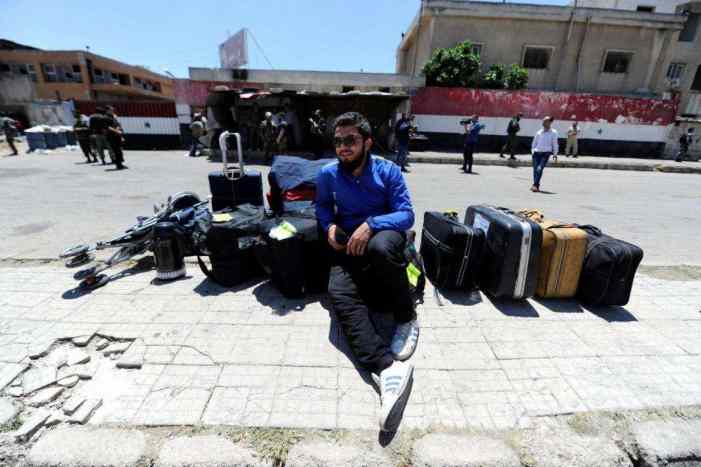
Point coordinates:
[(661, 6), (504, 30), (16, 89), (320, 81), (690, 54)]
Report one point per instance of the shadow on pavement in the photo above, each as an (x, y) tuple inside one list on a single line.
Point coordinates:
[(557, 305), (516, 308), (612, 314), (142, 265), (267, 295), (456, 297), (209, 288)]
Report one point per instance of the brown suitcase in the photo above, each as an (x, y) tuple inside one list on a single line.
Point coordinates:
[(561, 257)]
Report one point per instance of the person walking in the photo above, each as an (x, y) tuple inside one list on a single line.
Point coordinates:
[(99, 123), (685, 140), (401, 131), (198, 128), (472, 130), (572, 135), (544, 145), (81, 129), (317, 130), (268, 131), (283, 135), (512, 137), (9, 128), (115, 138)]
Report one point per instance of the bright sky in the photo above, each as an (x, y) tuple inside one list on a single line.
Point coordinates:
[(342, 35)]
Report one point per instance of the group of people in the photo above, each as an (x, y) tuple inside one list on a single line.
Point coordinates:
[(99, 132), (543, 146)]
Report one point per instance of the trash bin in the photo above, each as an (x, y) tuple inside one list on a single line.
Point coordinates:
[(61, 138), (35, 141), (52, 140), (70, 137)]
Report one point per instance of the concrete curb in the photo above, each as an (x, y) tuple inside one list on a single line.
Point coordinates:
[(457, 160)]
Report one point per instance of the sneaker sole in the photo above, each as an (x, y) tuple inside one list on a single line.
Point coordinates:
[(394, 418), (402, 358)]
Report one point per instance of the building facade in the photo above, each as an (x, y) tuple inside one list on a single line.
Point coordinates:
[(82, 75), (647, 6), (563, 48)]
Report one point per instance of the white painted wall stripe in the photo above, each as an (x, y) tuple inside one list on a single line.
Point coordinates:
[(150, 125), (590, 130)]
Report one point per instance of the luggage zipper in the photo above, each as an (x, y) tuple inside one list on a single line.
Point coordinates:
[(560, 266), (440, 245), (466, 255), (524, 260)]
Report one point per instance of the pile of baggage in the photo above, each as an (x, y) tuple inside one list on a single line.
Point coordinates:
[(522, 254)]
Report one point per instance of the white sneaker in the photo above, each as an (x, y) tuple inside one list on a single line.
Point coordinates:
[(395, 388), (405, 339)]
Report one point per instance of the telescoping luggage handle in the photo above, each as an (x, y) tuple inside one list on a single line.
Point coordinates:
[(230, 172)]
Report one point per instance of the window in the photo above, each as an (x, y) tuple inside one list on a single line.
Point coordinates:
[(124, 79), (157, 87), (646, 9), (50, 73), (696, 85), (676, 70), (32, 72), (537, 58), (688, 34), (114, 77), (617, 62), (477, 49), (98, 76)]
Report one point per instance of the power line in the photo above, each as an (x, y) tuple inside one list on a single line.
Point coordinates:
[(259, 47)]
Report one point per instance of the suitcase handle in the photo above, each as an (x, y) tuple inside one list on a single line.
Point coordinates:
[(230, 172), (591, 230)]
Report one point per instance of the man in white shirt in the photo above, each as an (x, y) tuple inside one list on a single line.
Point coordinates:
[(544, 145)]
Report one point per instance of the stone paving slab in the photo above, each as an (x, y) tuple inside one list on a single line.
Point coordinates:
[(80, 447), (254, 358), (463, 451), (670, 442), (204, 451)]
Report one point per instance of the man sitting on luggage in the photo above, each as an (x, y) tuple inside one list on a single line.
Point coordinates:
[(363, 204)]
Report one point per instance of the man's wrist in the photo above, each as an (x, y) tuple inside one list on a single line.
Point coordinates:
[(371, 224)]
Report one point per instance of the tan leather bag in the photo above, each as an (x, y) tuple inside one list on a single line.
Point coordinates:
[(561, 257)]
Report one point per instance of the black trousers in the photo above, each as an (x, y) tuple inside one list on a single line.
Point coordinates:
[(11, 142), (510, 146), (375, 281), (116, 144), (467, 157), (85, 146)]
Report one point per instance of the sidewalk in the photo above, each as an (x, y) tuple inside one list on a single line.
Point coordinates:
[(582, 162)]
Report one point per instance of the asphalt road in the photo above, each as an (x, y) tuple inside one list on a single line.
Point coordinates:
[(53, 201)]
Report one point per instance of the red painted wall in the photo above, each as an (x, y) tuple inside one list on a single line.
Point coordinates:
[(538, 104)]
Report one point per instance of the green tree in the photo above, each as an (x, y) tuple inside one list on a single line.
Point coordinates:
[(494, 78), (516, 77), (456, 66)]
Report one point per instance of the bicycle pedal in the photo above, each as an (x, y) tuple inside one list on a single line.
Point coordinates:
[(94, 282), (85, 273), (80, 260)]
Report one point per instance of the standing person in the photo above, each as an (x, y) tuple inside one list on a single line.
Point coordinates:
[(472, 132), (268, 131), (572, 135), (115, 138), (512, 137), (401, 132), (198, 129), (9, 127), (99, 122), (544, 145), (283, 133), (82, 135), (685, 141), (364, 207), (317, 130)]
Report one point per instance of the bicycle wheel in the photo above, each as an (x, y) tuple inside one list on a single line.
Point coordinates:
[(183, 200), (75, 251)]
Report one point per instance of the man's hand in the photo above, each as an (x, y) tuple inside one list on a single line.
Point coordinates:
[(359, 240), (332, 238)]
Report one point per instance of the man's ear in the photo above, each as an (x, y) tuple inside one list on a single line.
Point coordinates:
[(368, 145)]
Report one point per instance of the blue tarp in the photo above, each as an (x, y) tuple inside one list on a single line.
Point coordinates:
[(291, 172)]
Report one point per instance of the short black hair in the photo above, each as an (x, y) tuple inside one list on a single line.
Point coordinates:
[(356, 120)]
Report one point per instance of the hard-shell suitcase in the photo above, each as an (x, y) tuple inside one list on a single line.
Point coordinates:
[(561, 257), (231, 186), (512, 249), (609, 269), (452, 251)]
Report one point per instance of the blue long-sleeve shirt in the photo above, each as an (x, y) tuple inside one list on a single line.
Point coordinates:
[(473, 133), (379, 196)]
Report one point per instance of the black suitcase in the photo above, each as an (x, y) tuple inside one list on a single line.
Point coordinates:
[(452, 252), (609, 269), (231, 246), (231, 186), (298, 264), (512, 250)]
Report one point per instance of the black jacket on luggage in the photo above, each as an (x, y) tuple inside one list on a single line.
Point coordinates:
[(609, 269), (452, 252), (512, 249)]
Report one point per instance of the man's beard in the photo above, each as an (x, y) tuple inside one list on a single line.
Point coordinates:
[(351, 165)]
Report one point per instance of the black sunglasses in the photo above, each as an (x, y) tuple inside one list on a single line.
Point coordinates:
[(345, 141)]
